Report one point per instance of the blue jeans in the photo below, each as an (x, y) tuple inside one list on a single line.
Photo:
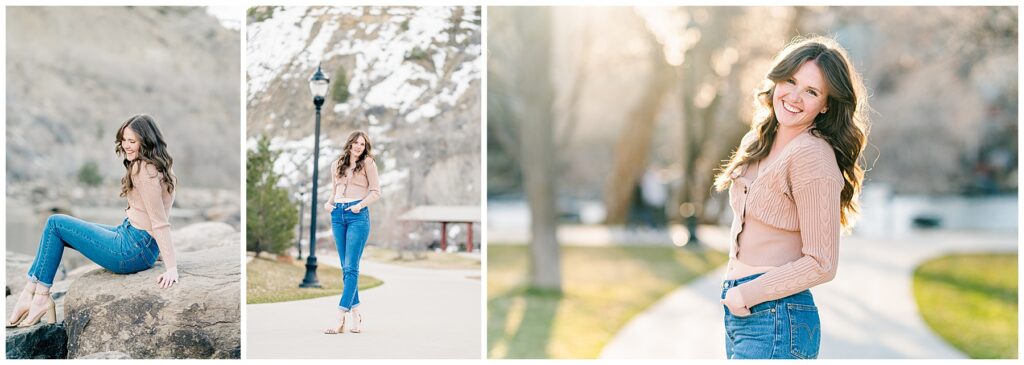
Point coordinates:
[(123, 249), (786, 328), (350, 233)]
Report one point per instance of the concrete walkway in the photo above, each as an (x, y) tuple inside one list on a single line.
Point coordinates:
[(416, 314), (868, 311)]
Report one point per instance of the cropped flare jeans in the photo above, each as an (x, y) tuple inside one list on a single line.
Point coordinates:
[(350, 233)]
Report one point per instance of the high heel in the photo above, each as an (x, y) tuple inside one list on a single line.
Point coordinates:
[(359, 324), (21, 317), (50, 313), (21, 313), (337, 331)]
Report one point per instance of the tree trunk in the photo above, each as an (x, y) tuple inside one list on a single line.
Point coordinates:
[(537, 150), (633, 146)]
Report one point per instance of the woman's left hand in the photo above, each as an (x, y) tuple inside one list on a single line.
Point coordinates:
[(734, 300), (168, 278), (355, 208)]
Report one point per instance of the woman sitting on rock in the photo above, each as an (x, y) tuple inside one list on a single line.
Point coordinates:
[(131, 247)]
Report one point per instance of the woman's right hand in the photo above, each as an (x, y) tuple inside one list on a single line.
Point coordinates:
[(734, 300), (168, 278), (329, 206)]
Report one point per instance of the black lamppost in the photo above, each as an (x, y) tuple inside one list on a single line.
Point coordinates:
[(302, 207), (318, 87)]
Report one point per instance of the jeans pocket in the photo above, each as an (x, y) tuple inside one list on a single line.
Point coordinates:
[(753, 336), (804, 330), (134, 263), (760, 309)]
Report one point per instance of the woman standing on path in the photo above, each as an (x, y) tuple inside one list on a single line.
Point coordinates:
[(133, 246), (356, 186), (793, 184)]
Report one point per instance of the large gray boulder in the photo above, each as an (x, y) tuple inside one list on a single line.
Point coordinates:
[(197, 318), (203, 236)]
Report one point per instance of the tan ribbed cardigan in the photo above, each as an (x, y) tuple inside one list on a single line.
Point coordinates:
[(797, 192), (364, 186), (149, 203)]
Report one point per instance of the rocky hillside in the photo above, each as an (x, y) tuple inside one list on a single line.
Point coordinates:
[(408, 76), (74, 74)]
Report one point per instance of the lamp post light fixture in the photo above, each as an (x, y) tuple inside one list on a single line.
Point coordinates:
[(318, 87)]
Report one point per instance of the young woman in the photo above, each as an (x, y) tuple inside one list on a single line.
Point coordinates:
[(793, 184), (356, 186), (133, 246)]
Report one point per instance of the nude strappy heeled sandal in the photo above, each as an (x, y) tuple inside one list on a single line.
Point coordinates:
[(336, 331), (50, 313), (359, 324)]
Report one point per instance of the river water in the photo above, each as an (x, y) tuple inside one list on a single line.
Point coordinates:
[(25, 226)]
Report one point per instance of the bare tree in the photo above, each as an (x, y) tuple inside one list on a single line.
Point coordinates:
[(521, 64), (633, 147)]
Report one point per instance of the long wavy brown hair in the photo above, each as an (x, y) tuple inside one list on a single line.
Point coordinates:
[(844, 126), (153, 149), (345, 159)]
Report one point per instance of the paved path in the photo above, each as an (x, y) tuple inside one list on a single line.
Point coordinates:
[(417, 313), (867, 311)]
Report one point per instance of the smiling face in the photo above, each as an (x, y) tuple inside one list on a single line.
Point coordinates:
[(130, 143), (800, 98), (357, 147)]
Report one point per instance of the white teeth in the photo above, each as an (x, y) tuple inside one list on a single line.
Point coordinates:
[(791, 110)]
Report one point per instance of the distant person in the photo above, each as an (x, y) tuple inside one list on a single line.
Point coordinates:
[(133, 246), (639, 214), (356, 186), (647, 205), (793, 184)]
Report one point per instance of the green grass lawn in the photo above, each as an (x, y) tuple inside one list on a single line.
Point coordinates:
[(271, 281), (603, 288), (971, 301), (422, 259)]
